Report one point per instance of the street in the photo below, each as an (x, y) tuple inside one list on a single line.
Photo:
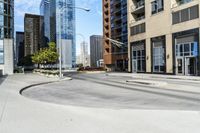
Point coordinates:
[(107, 91), (97, 103)]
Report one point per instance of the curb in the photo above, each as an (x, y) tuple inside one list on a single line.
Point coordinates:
[(147, 82), (33, 85), (38, 84), (92, 72)]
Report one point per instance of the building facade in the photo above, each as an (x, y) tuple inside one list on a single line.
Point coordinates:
[(115, 28), (19, 46), (96, 50), (84, 55), (6, 37), (45, 12), (59, 23), (164, 36), (33, 34)]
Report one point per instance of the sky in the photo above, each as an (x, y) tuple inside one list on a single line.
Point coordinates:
[(87, 23)]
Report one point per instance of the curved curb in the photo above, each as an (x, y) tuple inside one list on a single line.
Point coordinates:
[(38, 84), (33, 85)]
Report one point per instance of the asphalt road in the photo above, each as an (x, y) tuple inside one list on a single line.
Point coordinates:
[(102, 91)]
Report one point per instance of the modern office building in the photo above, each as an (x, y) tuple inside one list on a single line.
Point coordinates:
[(115, 28), (59, 24), (164, 36), (45, 12), (19, 52), (96, 50), (33, 34), (84, 55), (6, 37)]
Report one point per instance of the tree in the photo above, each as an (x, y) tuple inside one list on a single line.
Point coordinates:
[(26, 61), (51, 53), (46, 55)]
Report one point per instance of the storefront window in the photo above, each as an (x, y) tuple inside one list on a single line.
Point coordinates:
[(187, 49), (139, 56), (158, 56)]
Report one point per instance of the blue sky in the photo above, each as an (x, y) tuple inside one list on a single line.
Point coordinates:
[(87, 23)]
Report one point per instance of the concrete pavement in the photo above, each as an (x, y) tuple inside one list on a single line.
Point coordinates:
[(23, 115), (100, 91)]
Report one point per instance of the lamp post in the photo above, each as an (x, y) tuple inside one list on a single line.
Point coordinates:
[(118, 44), (63, 7)]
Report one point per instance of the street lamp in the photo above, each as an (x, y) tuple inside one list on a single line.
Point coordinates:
[(64, 6), (118, 44), (83, 37), (115, 42)]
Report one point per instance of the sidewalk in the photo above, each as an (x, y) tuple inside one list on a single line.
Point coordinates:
[(143, 76), (22, 115)]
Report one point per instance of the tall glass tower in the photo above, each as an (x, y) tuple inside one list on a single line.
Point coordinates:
[(59, 23), (6, 36), (45, 11)]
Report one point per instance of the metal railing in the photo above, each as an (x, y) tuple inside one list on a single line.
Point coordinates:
[(139, 18), (181, 2)]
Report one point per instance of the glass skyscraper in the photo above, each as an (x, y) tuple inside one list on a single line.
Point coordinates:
[(45, 11), (6, 23), (6, 36), (59, 23)]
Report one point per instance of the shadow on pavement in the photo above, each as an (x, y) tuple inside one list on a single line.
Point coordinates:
[(2, 79)]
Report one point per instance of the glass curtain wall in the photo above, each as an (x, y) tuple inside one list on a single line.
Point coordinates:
[(67, 24), (45, 11), (6, 24)]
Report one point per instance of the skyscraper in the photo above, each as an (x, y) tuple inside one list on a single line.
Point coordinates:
[(115, 28), (19, 46), (96, 49), (33, 33), (84, 56), (6, 36), (59, 23), (45, 11)]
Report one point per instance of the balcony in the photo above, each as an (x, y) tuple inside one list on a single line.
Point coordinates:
[(138, 7), (181, 2), (139, 18)]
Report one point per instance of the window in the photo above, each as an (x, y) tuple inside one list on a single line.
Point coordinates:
[(138, 29), (1, 7), (157, 6), (139, 56), (187, 49), (185, 15), (158, 56), (194, 12)]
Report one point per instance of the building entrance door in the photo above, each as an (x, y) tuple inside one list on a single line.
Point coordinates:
[(186, 58), (180, 66), (190, 66), (186, 66), (134, 66)]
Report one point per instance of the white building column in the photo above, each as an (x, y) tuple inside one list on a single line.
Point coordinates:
[(8, 66)]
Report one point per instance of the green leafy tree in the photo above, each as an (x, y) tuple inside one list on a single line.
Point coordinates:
[(46, 55)]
